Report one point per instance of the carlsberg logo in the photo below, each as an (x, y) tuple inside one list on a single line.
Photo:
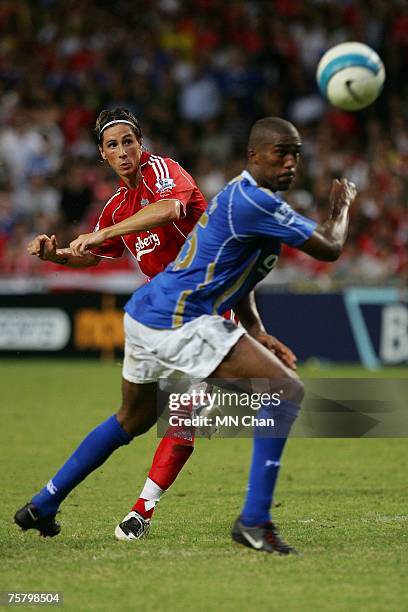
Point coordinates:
[(146, 245)]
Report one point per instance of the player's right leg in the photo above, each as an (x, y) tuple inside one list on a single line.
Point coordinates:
[(136, 415)]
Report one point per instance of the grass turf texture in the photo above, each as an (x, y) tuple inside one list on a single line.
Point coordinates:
[(342, 503)]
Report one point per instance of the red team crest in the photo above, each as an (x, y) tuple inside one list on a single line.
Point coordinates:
[(162, 178)]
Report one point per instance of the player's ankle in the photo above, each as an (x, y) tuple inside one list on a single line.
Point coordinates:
[(140, 507)]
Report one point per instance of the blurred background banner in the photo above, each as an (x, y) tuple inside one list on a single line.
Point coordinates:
[(71, 324), (197, 74), (366, 325)]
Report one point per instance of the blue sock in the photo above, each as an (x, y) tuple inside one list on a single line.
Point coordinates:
[(267, 450), (98, 445)]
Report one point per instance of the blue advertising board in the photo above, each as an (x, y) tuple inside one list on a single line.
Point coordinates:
[(365, 325)]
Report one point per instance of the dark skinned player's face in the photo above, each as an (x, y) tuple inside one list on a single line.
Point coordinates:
[(273, 164)]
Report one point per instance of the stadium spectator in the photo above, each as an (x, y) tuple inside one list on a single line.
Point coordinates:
[(200, 97), (75, 198)]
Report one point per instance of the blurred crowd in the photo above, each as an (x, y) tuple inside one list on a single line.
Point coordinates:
[(197, 73)]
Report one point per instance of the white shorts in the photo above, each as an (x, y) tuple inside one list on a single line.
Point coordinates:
[(193, 350)]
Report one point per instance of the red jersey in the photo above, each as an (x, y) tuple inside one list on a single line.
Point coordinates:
[(162, 178)]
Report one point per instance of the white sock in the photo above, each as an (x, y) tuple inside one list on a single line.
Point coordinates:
[(152, 493)]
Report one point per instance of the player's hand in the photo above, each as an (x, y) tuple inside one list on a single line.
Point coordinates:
[(44, 247), (84, 242), (343, 193), (282, 351)]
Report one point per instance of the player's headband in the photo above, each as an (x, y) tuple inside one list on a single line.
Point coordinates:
[(116, 121)]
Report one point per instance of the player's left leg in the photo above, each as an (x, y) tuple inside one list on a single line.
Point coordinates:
[(255, 522), (249, 360), (136, 415)]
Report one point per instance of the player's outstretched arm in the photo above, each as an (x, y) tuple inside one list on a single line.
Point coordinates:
[(156, 214), (247, 312), (327, 241), (46, 248)]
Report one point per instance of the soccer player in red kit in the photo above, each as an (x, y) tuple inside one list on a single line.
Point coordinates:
[(151, 214), (165, 182), (160, 180)]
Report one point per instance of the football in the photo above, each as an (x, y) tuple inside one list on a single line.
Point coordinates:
[(350, 75)]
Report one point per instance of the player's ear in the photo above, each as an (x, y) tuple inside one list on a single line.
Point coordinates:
[(101, 151), (252, 155)]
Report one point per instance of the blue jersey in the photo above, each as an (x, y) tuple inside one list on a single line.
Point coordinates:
[(234, 245)]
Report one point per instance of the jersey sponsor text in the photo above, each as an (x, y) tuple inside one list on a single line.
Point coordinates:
[(146, 245)]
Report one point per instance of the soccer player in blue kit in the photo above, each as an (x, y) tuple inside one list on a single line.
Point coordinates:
[(173, 325)]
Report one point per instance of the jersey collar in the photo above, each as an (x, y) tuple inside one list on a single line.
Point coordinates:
[(246, 175), (144, 158)]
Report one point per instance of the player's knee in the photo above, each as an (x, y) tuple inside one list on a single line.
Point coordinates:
[(294, 390)]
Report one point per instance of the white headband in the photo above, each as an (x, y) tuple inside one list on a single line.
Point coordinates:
[(116, 121)]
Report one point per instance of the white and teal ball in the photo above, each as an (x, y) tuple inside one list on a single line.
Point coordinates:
[(350, 75)]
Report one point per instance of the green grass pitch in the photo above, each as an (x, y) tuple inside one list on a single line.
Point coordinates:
[(342, 503)]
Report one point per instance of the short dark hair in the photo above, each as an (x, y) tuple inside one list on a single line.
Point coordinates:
[(116, 114), (263, 128)]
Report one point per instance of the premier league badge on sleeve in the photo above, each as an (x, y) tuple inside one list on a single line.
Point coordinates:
[(164, 184), (284, 214)]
